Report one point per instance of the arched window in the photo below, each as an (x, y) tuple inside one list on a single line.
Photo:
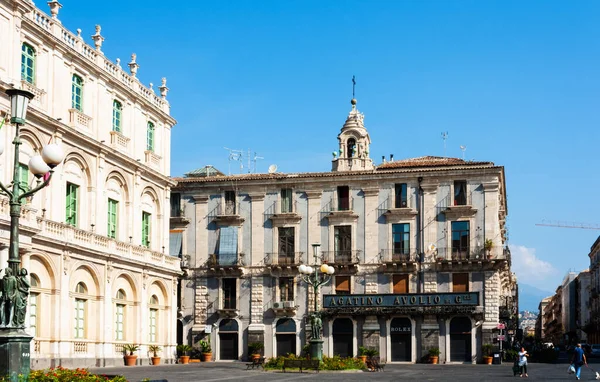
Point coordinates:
[(27, 63), (117, 111), (150, 137), (77, 93), (80, 311), (120, 316), (153, 319), (351, 148), (33, 306), (121, 295)]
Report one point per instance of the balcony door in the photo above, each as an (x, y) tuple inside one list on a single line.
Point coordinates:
[(286, 248), (343, 244)]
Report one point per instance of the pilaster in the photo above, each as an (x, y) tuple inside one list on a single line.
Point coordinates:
[(257, 229), (201, 234), (314, 227), (428, 215), (371, 226)]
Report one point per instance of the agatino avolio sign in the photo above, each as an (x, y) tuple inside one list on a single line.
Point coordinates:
[(401, 300)]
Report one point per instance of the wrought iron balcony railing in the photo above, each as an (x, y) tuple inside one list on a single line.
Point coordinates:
[(395, 256), (283, 259), (342, 256)]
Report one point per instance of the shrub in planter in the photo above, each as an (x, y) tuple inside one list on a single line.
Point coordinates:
[(129, 357), (184, 350), (154, 349), (254, 349), (206, 350), (486, 349), (361, 354), (434, 354)]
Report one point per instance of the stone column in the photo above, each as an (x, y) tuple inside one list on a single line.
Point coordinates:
[(201, 233), (200, 304), (256, 329), (430, 335), (371, 226), (257, 228)]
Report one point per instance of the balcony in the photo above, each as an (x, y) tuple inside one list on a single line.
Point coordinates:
[(469, 257), (225, 265), (39, 98), (394, 260), (227, 214), (281, 215), (119, 141), (395, 214), (339, 210), (342, 259), (228, 308), (79, 120), (456, 209), (152, 159), (284, 260), (284, 308), (178, 218)]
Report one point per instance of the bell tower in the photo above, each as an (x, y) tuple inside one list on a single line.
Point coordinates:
[(354, 143)]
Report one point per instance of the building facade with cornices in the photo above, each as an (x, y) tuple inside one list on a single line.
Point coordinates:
[(95, 241), (407, 239)]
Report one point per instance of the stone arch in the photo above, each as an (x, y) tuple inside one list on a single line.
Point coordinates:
[(126, 281), (81, 161), (153, 195), (161, 290), (43, 267), (88, 274), (120, 180), (32, 136)]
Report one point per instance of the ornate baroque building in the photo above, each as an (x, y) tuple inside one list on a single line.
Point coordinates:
[(418, 247), (95, 241)]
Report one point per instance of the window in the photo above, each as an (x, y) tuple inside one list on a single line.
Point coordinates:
[(286, 200), (351, 148), (343, 194), (146, 229), (79, 318), (71, 213), (175, 205), (230, 203), (401, 238), (77, 93), (460, 192), (119, 315), (460, 240), (117, 112), (460, 282), (152, 331), (229, 289), (113, 207), (286, 245), (23, 177), (400, 200), (400, 284), (150, 137), (342, 285), (343, 243), (33, 304), (81, 289), (286, 289), (27, 63)]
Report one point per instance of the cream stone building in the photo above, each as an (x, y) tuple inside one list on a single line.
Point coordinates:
[(418, 247), (95, 241)]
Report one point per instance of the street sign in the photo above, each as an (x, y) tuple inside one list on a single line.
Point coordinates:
[(208, 329), (501, 326), (501, 337)]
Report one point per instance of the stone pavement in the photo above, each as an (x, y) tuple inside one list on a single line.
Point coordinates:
[(236, 371)]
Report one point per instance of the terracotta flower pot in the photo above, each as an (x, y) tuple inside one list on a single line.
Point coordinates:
[(155, 360), (487, 360), (255, 357), (185, 359), (433, 359), (363, 358), (130, 360), (206, 357)]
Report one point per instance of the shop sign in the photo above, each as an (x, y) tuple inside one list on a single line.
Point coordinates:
[(401, 300), (400, 329)]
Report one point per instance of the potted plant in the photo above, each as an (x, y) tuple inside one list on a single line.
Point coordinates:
[(128, 355), (206, 350), (184, 350), (434, 354), (486, 349), (361, 354), (370, 352), (254, 349), (487, 246), (154, 349)]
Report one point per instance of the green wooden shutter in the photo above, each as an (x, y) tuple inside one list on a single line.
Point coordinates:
[(71, 204), (77, 92), (117, 109), (150, 137), (27, 63), (23, 176), (113, 206), (146, 229)]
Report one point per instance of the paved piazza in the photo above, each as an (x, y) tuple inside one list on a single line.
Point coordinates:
[(220, 371)]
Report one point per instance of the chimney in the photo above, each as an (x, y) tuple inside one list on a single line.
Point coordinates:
[(391, 157)]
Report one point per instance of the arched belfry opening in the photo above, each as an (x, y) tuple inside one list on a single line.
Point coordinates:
[(354, 144)]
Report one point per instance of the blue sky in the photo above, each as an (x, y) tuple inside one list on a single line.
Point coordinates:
[(516, 82)]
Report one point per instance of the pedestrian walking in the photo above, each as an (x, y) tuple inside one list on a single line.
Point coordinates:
[(578, 360), (523, 362)]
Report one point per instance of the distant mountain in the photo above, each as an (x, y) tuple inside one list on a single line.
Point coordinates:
[(530, 297)]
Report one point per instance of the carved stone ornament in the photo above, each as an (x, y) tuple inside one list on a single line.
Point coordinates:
[(55, 6), (98, 39), (163, 88), (133, 66)]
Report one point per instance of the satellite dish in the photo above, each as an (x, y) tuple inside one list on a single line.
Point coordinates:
[(272, 168)]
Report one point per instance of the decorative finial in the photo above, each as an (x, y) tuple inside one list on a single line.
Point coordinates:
[(353, 100), (55, 6), (151, 85), (133, 66), (98, 39), (118, 61), (163, 88), (79, 33)]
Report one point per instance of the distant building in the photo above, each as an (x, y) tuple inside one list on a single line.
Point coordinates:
[(553, 326), (569, 308), (593, 327), (540, 323), (583, 305)]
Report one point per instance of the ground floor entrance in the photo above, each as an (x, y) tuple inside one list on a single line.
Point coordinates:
[(401, 340), (460, 339)]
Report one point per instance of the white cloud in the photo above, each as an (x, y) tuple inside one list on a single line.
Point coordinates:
[(529, 268)]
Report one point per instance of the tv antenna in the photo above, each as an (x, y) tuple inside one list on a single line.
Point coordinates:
[(236, 155), (463, 149), (444, 137), (254, 159)]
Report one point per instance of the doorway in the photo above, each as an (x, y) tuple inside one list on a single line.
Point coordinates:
[(401, 339), (460, 339)]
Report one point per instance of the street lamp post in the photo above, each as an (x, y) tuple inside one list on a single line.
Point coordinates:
[(14, 341), (313, 277)]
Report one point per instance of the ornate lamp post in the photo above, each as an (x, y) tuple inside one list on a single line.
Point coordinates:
[(313, 277), (14, 341)]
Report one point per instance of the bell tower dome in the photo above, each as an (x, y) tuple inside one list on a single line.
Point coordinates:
[(354, 144)]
